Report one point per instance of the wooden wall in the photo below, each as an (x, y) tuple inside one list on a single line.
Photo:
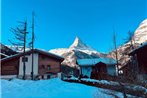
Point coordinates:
[(99, 71), (142, 60), (47, 61), (10, 67)]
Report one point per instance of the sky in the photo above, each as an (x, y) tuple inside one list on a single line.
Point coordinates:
[(58, 22)]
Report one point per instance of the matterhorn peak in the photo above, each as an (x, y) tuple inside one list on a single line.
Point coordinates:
[(77, 50), (78, 44)]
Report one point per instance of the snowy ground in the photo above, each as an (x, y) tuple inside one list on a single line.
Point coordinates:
[(53, 88)]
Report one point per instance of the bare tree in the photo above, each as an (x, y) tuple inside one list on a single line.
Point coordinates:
[(130, 39), (20, 35)]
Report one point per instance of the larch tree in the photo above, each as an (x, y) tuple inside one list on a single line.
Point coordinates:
[(20, 40)]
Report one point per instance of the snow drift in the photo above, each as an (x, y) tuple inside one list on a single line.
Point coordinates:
[(53, 88)]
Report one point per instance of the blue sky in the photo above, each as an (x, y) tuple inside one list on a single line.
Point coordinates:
[(58, 22)]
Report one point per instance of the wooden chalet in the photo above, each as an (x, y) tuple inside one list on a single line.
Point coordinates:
[(97, 68), (46, 65), (138, 63)]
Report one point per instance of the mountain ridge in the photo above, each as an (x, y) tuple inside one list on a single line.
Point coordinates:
[(77, 50), (139, 37)]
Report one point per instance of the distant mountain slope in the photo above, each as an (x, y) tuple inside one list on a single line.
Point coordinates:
[(140, 37), (77, 50), (17, 48), (6, 51)]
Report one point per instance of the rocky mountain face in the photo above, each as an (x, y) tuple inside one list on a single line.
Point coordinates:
[(77, 50), (139, 37)]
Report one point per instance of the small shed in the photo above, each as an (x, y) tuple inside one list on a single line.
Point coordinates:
[(97, 67)]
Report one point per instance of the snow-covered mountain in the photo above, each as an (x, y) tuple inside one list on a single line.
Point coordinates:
[(77, 50), (78, 44), (17, 48), (139, 37), (6, 50), (80, 50)]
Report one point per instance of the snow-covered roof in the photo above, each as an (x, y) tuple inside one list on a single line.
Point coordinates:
[(142, 46), (42, 50), (94, 61), (35, 51), (3, 54)]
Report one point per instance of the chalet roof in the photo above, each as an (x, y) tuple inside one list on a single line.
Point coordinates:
[(140, 47), (94, 61), (35, 51), (3, 54)]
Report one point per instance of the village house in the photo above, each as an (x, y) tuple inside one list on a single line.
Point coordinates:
[(138, 63), (46, 65), (97, 68)]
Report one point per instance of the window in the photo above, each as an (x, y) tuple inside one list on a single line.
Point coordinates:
[(24, 59), (42, 76), (48, 76), (43, 66), (48, 67), (43, 57)]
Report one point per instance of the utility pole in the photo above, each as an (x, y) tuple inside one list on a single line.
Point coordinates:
[(116, 52), (24, 51), (32, 45), (116, 56)]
